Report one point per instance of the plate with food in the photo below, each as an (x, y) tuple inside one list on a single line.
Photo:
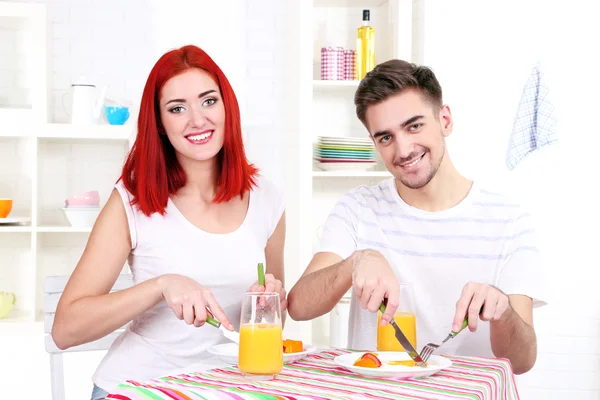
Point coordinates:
[(390, 364), (293, 350)]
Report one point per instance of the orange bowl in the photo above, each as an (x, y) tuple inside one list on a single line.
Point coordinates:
[(5, 207)]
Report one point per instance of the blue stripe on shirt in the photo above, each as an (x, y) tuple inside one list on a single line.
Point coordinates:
[(446, 255)]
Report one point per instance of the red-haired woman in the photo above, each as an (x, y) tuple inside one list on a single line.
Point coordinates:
[(193, 219)]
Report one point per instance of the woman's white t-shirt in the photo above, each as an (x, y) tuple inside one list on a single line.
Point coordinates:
[(156, 342)]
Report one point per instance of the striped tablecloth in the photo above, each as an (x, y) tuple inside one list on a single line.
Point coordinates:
[(318, 377)]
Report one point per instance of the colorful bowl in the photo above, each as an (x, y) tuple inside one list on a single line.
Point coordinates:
[(116, 115), (84, 199), (5, 207), (7, 301)]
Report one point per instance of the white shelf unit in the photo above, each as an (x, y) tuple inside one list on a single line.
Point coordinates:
[(39, 172), (351, 174), (317, 84), (331, 103), (41, 164), (349, 3)]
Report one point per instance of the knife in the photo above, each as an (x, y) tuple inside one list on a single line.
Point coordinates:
[(231, 335), (404, 341)]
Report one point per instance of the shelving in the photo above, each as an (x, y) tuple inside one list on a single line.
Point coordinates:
[(63, 229), (330, 104), (349, 3), (99, 131), (15, 229), (351, 174), (39, 172), (42, 163), (317, 83)]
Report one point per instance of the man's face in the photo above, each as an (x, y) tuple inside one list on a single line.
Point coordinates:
[(409, 135)]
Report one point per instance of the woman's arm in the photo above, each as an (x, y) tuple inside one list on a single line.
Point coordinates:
[(86, 310)]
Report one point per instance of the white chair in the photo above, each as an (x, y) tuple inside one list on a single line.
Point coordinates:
[(53, 288)]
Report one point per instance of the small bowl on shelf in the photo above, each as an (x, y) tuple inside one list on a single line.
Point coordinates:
[(5, 207), (81, 216), (116, 115), (88, 199), (7, 301)]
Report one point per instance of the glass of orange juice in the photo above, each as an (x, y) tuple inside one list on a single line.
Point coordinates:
[(405, 318), (261, 341)]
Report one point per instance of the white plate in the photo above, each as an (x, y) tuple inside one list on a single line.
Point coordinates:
[(228, 352), (434, 364), (14, 221), (350, 166)]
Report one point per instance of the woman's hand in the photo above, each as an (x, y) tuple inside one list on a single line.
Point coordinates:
[(272, 285), (189, 300)]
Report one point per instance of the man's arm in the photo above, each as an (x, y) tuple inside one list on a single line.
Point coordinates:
[(513, 335), (323, 284), (326, 279), (511, 322)]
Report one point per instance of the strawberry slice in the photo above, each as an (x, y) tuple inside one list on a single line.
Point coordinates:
[(372, 357)]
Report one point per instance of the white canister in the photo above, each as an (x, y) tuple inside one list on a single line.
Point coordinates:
[(86, 102), (338, 325)]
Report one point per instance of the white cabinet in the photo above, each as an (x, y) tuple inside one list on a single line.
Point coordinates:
[(39, 172), (41, 164)]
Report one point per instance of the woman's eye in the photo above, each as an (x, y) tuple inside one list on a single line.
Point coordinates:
[(209, 102), (177, 109)]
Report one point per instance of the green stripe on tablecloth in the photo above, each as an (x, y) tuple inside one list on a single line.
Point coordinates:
[(143, 392)]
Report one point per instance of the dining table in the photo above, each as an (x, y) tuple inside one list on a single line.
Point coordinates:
[(318, 376)]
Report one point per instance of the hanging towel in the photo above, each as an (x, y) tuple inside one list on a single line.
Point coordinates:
[(535, 122)]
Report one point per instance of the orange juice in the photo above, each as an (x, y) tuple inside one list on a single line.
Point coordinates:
[(386, 338), (261, 349)]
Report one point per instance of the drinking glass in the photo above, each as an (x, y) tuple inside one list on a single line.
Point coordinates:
[(261, 342), (405, 318)]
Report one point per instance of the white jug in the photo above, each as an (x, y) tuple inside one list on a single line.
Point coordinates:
[(338, 325), (86, 105)]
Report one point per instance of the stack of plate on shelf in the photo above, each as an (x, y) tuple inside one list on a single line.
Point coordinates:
[(345, 153)]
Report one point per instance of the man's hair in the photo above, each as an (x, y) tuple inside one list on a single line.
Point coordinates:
[(391, 78)]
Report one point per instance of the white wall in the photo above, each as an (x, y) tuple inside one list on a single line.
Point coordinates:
[(14, 85), (482, 54), (116, 43)]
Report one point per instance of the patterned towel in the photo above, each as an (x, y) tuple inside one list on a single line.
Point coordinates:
[(535, 122)]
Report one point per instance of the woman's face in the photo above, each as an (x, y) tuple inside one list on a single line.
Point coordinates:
[(193, 115)]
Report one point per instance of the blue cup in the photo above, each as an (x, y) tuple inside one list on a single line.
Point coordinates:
[(116, 115)]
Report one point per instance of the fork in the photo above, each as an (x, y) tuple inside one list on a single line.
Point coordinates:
[(431, 347)]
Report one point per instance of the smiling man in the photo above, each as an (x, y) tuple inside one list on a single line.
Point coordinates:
[(467, 251)]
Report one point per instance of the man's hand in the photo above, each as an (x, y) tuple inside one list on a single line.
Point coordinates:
[(373, 280), (475, 296)]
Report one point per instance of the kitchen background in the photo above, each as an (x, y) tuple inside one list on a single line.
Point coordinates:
[(270, 51)]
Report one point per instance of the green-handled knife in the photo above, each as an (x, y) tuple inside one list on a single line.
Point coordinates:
[(404, 341), (231, 335)]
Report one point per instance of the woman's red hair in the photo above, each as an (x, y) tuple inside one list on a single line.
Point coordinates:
[(152, 172)]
